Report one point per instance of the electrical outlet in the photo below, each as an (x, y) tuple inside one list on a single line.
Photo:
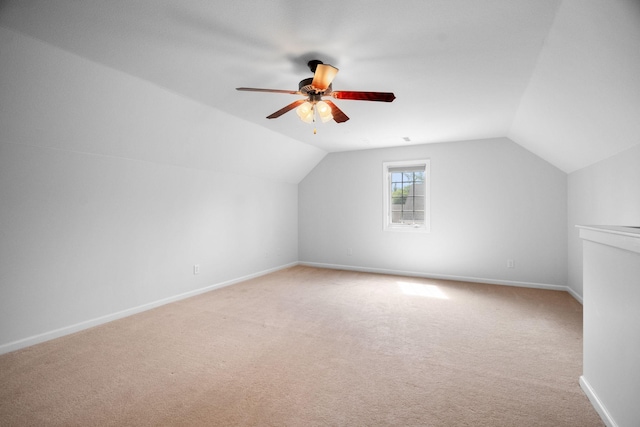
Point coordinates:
[(349, 251), (511, 263), (196, 269)]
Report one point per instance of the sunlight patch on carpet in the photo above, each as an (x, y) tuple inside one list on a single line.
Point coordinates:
[(421, 290)]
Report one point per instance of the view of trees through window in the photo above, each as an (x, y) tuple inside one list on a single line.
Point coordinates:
[(407, 197)]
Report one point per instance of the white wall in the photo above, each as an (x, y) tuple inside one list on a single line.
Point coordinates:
[(606, 193), (111, 189), (491, 200)]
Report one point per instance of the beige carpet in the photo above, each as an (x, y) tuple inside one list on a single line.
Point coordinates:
[(313, 347)]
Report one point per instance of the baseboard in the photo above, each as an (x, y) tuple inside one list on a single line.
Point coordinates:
[(67, 330), (597, 404), (574, 294), (440, 276)]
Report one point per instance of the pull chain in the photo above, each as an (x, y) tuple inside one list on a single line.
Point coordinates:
[(314, 119)]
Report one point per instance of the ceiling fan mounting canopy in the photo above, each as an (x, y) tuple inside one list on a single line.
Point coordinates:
[(313, 64), (314, 88)]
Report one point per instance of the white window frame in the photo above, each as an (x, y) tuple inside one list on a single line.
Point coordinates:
[(386, 201)]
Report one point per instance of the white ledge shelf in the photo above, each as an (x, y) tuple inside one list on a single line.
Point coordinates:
[(627, 238)]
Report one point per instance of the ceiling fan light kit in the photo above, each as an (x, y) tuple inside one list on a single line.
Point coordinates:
[(313, 89)]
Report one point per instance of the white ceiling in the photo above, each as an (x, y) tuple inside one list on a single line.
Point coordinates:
[(558, 77)]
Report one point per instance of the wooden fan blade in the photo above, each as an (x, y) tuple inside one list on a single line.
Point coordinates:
[(364, 96), (286, 109), (255, 89), (323, 76), (337, 113)]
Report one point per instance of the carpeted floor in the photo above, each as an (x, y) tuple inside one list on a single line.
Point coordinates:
[(315, 347)]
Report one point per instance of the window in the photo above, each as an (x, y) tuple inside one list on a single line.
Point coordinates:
[(406, 195)]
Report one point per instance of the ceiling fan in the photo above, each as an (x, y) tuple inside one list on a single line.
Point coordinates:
[(314, 88)]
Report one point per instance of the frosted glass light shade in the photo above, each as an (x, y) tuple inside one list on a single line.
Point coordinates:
[(305, 112), (324, 111)]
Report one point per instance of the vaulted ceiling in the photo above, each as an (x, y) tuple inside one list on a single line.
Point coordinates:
[(559, 77)]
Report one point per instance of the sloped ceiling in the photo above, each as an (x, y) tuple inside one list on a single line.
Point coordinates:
[(582, 104), (558, 77)]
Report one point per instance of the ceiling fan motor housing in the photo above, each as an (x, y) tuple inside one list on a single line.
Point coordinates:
[(306, 88)]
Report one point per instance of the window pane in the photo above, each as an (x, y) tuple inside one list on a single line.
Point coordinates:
[(418, 203), (408, 189), (397, 177)]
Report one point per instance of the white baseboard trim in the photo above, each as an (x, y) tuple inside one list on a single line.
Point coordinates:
[(574, 294), (67, 330), (440, 276), (597, 404)]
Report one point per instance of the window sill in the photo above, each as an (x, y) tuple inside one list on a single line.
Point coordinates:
[(406, 229)]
